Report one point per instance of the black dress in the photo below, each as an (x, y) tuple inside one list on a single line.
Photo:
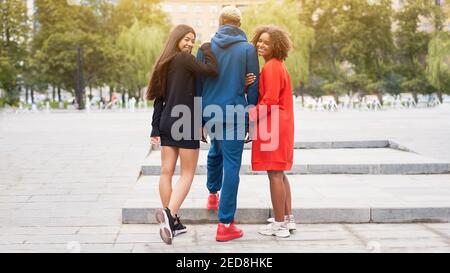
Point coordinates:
[(180, 91)]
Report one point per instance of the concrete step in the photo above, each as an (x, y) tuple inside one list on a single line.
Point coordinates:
[(316, 199), (351, 144), (332, 161)]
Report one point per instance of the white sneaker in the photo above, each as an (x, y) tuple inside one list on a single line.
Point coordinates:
[(274, 229), (290, 223)]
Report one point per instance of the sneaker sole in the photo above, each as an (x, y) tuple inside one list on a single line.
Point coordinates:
[(226, 239), (291, 229), (276, 235), (164, 229), (179, 232), (212, 208), (284, 235)]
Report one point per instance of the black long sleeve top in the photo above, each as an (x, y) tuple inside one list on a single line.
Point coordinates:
[(180, 88)]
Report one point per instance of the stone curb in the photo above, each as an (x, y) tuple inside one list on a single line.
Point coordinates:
[(135, 215), (311, 169), (332, 145)]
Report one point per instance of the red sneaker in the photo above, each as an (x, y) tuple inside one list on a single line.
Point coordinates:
[(228, 233), (213, 201)]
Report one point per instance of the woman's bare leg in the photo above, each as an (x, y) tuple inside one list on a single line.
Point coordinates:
[(287, 188), (278, 194), (169, 156), (188, 164)]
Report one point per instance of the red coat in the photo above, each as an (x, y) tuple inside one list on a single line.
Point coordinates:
[(273, 146)]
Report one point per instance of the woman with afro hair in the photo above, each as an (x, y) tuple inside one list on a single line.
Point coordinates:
[(273, 123)]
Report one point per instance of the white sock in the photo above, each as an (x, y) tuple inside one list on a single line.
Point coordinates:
[(278, 224), (288, 217)]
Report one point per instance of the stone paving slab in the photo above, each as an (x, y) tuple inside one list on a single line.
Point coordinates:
[(332, 161), (77, 153), (316, 199), (341, 238)]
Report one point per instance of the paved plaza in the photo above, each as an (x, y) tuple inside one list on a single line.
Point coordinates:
[(65, 177)]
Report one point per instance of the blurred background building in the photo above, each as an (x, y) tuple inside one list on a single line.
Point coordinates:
[(202, 15)]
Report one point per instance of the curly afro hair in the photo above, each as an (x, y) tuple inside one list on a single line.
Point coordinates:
[(281, 43)]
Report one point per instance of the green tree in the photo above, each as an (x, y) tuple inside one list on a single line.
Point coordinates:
[(286, 15), (318, 15), (147, 12), (351, 33), (438, 62), (13, 41), (95, 26), (8, 78), (55, 43), (364, 35), (141, 45), (412, 45)]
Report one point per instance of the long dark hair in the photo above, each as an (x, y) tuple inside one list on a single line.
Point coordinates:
[(157, 84)]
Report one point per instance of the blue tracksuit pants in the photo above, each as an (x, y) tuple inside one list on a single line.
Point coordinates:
[(224, 164)]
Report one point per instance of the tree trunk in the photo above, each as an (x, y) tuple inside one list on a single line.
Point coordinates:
[(416, 100), (59, 93), (301, 87), (111, 91), (53, 92), (380, 96), (32, 95), (26, 93), (336, 97), (7, 35)]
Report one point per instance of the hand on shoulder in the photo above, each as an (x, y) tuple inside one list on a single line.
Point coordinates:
[(205, 45)]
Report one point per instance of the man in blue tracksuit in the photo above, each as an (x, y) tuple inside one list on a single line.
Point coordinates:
[(236, 58)]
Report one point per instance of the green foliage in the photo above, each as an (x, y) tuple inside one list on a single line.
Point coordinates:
[(8, 74), (142, 46), (284, 14), (412, 44), (375, 87), (340, 46), (13, 40), (100, 30), (438, 61), (335, 88), (363, 35), (315, 86), (384, 50), (13, 30)]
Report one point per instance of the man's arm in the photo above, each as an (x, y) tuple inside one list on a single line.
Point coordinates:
[(252, 67), (198, 76), (208, 67), (199, 84)]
